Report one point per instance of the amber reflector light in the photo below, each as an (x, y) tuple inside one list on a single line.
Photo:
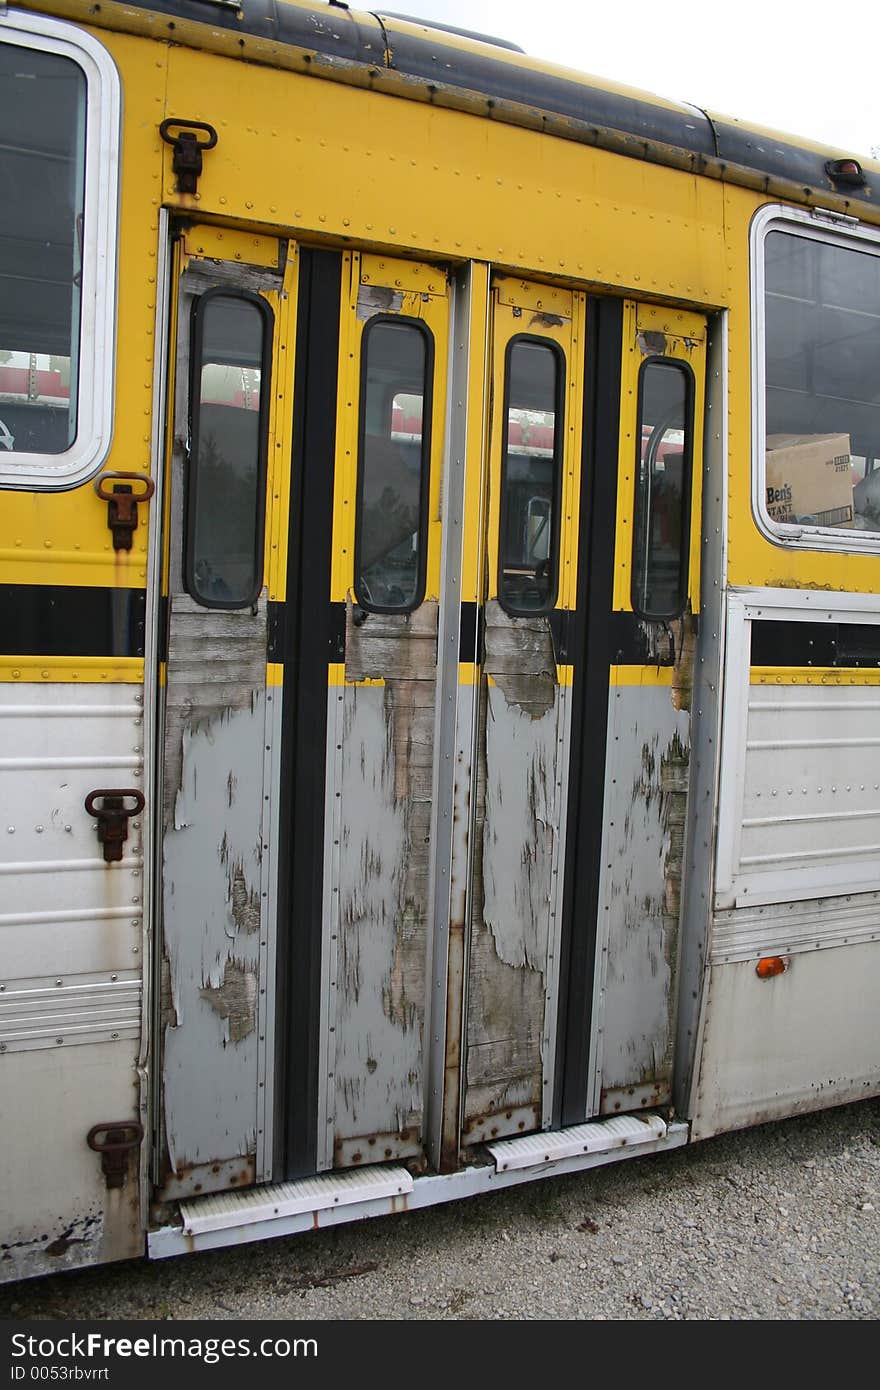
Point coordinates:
[(769, 966)]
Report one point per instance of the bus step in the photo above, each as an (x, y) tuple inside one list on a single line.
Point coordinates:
[(227, 1210), (597, 1136)]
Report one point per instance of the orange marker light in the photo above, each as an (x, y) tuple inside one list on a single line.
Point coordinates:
[(769, 966)]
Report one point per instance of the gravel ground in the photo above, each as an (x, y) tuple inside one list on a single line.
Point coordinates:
[(779, 1222)]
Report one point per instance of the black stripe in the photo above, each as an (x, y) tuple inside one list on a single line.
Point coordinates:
[(562, 624), (470, 633), (310, 632), (336, 632), (780, 643), (58, 620), (593, 649)]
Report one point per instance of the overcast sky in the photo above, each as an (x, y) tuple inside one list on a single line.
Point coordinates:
[(793, 65)]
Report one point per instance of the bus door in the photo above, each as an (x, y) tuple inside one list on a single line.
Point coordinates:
[(234, 300), (524, 708), (632, 711), (385, 586)]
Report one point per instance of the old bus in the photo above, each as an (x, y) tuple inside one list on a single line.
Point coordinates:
[(440, 623)]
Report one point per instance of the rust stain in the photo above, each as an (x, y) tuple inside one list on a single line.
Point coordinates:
[(235, 999)]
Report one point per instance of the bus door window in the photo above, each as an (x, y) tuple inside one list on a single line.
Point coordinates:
[(663, 489), (232, 335), (393, 464), (528, 563)]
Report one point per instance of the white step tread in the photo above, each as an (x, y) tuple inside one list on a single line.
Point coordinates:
[(230, 1209), (596, 1136)]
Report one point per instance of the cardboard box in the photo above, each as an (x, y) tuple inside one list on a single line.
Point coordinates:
[(809, 481)]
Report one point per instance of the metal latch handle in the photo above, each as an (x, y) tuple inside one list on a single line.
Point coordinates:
[(122, 1137), (113, 817), (122, 504)]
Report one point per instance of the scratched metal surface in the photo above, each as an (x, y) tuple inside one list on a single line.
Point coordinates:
[(385, 795), (518, 818), (212, 851), (645, 807)]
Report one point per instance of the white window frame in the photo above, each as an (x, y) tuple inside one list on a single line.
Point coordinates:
[(97, 325), (832, 229)]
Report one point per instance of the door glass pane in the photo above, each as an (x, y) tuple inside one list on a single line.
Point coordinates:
[(530, 471), (42, 172), (662, 502), (227, 449), (393, 466)]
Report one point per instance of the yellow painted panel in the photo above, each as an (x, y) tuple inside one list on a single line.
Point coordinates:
[(227, 244), (661, 318), (626, 453), (336, 677), (641, 675), (524, 294), (86, 670), (571, 464), (411, 276), (468, 673), (473, 559), (814, 675), (281, 432), (361, 166), (274, 673), (348, 396)]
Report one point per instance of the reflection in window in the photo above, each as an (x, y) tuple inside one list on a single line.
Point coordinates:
[(822, 337), (662, 498), (42, 172), (393, 465), (530, 476), (228, 448)]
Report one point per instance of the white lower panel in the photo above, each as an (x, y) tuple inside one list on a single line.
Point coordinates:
[(70, 974), (56, 1211), (802, 1040)]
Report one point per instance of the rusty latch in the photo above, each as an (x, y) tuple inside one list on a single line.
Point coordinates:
[(121, 1136), (187, 147), (113, 817), (122, 512)]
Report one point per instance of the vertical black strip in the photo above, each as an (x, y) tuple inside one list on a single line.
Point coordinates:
[(308, 645), (593, 655)]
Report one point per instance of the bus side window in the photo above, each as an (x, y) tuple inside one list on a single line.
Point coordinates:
[(661, 540), (393, 464), (529, 523), (229, 420)]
